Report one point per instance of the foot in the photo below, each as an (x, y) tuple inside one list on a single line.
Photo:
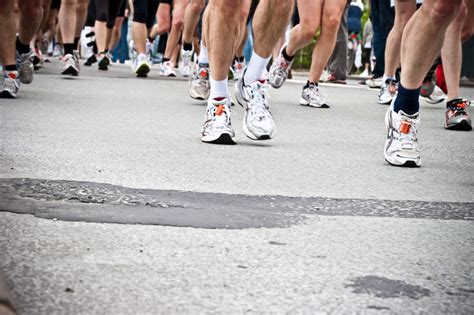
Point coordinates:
[(401, 146), (25, 67), (258, 122), (104, 62), (312, 97), (333, 79), (237, 69), (91, 60), (199, 83), (387, 92), (185, 65), (217, 126), (166, 70), (140, 65), (457, 117), (374, 82), (279, 72), (69, 65), (10, 84)]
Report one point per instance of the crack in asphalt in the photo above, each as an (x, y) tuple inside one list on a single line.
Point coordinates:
[(106, 203)]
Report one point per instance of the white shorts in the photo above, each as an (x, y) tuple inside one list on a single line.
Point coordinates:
[(392, 2)]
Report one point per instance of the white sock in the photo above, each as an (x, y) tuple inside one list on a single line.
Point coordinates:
[(219, 88), (256, 68), (385, 77), (203, 55)]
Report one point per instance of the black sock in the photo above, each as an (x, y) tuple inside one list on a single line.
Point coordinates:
[(240, 59), (69, 49), (10, 68), (187, 46), (166, 60), (407, 100), (286, 56), (76, 42), (22, 48), (308, 83)]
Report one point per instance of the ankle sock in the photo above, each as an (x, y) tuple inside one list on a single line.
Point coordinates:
[(22, 48), (239, 59), (203, 55), (10, 68), (255, 68), (308, 83), (69, 49), (407, 100), (218, 88), (76, 42), (286, 56), (187, 46)]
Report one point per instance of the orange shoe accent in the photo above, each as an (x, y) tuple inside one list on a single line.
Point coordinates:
[(219, 110), (12, 75), (203, 73), (405, 127)]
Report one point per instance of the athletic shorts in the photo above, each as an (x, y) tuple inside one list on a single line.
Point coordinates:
[(55, 4)]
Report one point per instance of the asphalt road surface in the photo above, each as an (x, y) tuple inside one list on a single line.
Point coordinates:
[(110, 204)]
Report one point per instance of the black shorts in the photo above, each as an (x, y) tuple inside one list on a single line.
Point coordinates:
[(55, 4)]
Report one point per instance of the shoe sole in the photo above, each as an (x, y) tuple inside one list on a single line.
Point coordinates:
[(70, 71), (408, 164), (462, 126), (142, 71), (5, 94), (224, 138), (303, 102)]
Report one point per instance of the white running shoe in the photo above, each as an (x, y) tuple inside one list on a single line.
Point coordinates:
[(10, 84), (387, 92), (199, 82), (401, 146), (185, 65), (374, 83), (166, 70), (436, 96), (237, 69), (217, 127), (69, 65), (25, 67), (312, 97), (140, 65), (278, 72), (258, 122)]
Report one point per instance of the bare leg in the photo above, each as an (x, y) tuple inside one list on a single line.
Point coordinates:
[(163, 16), (116, 33), (100, 29), (332, 14), (30, 19), (221, 29), (7, 33), (404, 11), (451, 53), (179, 7), (67, 20), (191, 19), (423, 38), (81, 16), (310, 20)]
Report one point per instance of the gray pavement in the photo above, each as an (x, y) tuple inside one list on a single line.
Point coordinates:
[(312, 221)]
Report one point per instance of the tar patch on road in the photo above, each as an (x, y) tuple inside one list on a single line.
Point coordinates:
[(105, 203), (387, 288)]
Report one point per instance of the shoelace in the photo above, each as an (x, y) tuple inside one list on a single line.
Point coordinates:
[(407, 131), (258, 99), (10, 83), (314, 93)]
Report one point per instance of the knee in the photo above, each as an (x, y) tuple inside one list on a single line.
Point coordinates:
[(307, 32), (31, 9), (445, 10), (467, 31), (197, 6), (178, 22), (331, 23)]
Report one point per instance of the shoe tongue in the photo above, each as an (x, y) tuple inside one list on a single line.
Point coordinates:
[(219, 99)]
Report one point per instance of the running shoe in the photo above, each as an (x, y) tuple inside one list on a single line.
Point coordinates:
[(91, 60), (258, 122), (401, 146), (37, 59), (457, 117), (140, 66), (58, 51), (217, 127), (104, 62), (10, 84), (166, 70), (25, 67), (374, 83), (69, 65), (185, 65), (437, 95), (199, 82), (333, 79), (279, 71), (237, 69), (311, 96), (387, 92)]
